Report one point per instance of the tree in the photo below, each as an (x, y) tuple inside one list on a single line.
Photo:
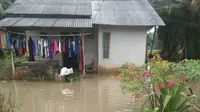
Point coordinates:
[(4, 4), (180, 37)]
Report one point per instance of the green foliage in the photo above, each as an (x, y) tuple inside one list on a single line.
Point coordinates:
[(132, 82), (190, 69), (168, 92), (172, 100), (162, 69), (180, 37)]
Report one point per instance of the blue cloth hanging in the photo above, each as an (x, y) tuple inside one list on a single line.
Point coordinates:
[(17, 43), (24, 43), (69, 48), (76, 47), (8, 39)]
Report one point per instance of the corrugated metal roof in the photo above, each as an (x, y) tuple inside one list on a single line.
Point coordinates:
[(125, 12), (44, 22), (57, 7)]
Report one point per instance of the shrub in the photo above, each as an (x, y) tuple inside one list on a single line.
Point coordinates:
[(190, 69), (163, 85)]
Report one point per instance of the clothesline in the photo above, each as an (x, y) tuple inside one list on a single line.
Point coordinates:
[(61, 35)]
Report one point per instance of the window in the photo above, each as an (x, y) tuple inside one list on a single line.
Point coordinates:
[(106, 44)]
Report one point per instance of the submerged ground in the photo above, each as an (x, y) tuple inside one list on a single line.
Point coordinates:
[(93, 94)]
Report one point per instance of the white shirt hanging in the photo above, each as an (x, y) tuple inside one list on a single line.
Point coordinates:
[(73, 43), (45, 48), (40, 43), (59, 46)]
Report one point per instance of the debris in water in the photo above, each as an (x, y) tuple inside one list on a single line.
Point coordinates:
[(67, 92), (3, 81), (126, 110)]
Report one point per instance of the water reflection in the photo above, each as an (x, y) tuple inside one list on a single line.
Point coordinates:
[(96, 94)]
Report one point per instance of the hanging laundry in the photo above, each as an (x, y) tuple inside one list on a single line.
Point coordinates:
[(24, 43), (17, 43), (8, 41), (27, 47), (21, 47), (59, 46), (63, 46), (76, 47), (30, 44), (69, 47), (50, 50), (3, 40), (73, 45), (15, 49), (39, 48), (34, 48), (45, 48), (40, 44), (55, 48), (12, 43)]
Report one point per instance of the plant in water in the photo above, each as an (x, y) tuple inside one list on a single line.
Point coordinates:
[(7, 104)]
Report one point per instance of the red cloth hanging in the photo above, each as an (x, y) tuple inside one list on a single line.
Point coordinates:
[(21, 53), (81, 56)]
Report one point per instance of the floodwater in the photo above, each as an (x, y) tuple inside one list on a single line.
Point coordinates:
[(93, 94)]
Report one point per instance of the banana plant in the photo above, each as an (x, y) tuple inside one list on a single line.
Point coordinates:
[(172, 100)]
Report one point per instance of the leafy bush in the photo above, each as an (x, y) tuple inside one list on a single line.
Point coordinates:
[(163, 85), (155, 52), (171, 98), (190, 68)]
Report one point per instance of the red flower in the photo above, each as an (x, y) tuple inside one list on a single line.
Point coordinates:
[(131, 75), (147, 73), (160, 59), (160, 86), (184, 62), (129, 68), (139, 75), (171, 84), (119, 78), (180, 79), (138, 96), (152, 58)]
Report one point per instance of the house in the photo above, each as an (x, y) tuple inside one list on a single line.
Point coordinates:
[(118, 27)]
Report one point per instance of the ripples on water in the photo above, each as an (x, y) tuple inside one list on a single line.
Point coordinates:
[(94, 94)]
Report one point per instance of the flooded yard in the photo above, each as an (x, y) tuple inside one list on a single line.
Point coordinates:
[(93, 94)]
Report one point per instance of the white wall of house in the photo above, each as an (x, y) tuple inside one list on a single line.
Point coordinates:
[(127, 44)]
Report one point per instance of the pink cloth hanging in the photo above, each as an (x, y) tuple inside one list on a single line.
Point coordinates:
[(81, 56), (55, 47)]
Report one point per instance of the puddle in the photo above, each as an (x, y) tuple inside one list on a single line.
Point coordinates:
[(94, 94)]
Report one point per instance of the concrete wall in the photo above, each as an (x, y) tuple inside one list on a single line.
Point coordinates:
[(127, 44)]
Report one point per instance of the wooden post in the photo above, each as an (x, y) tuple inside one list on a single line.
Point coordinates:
[(13, 66), (13, 72), (83, 45)]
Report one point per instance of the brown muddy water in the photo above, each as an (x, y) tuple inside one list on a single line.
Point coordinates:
[(93, 94)]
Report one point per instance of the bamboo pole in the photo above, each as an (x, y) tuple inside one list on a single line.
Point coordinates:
[(13, 72), (83, 47), (13, 66)]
